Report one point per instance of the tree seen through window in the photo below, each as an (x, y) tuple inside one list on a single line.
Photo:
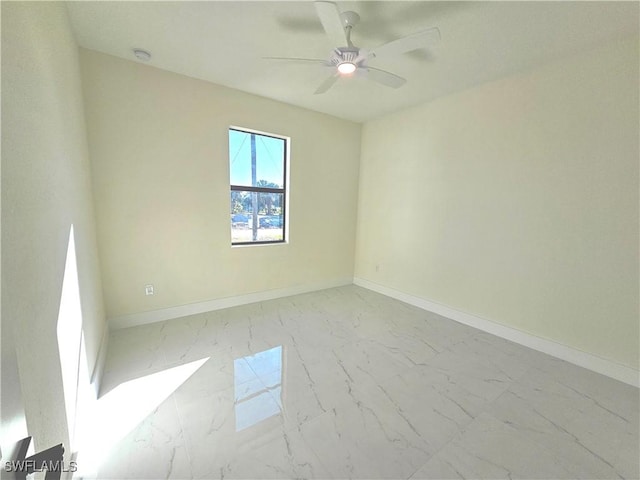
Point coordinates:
[(257, 165)]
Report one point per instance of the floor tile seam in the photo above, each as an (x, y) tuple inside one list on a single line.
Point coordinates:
[(269, 390), (492, 404), (491, 407), (510, 379), (565, 435), (200, 355), (429, 362), (183, 434), (454, 438), (311, 446), (188, 440), (326, 408), (306, 443), (346, 405), (614, 410), (296, 423), (464, 428), (202, 396), (526, 363)]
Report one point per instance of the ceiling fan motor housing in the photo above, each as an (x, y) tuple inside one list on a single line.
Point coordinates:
[(349, 19), (347, 59), (344, 54)]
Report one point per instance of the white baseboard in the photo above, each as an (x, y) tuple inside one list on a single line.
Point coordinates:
[(577, 357), (143, 318)]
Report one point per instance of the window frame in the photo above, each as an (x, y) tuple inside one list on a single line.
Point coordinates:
[(284, 190)]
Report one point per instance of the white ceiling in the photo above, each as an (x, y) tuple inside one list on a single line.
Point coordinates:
[(224, 42)]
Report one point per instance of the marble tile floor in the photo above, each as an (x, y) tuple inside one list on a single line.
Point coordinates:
[(347, 383)]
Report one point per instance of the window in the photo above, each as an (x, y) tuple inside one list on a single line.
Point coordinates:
[(257, 166)]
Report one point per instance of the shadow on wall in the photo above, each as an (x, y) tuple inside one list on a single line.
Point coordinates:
[(95, 425)]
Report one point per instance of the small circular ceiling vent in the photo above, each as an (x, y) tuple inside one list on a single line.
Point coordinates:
[(142, 54)]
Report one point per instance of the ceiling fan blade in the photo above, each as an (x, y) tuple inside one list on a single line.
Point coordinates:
[(363, 54), (408, 43), (298, 60), (327, 84), (331, 22), (383, 77)]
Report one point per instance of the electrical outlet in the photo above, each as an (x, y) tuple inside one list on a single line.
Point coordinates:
[(148, 289)]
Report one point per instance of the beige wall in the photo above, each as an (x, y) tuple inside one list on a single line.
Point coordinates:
[(45, 189), (516, 201), (159, 155)]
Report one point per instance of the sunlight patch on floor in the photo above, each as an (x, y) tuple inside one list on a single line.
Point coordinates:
[(117, 413)]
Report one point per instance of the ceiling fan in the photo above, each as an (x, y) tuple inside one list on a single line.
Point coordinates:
[(347, 60)]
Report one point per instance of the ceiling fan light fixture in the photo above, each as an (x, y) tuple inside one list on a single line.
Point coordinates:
[(346, 68), (346, 58)]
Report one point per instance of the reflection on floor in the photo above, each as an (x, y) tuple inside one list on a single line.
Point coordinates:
[(257, 399), (346, 383)]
